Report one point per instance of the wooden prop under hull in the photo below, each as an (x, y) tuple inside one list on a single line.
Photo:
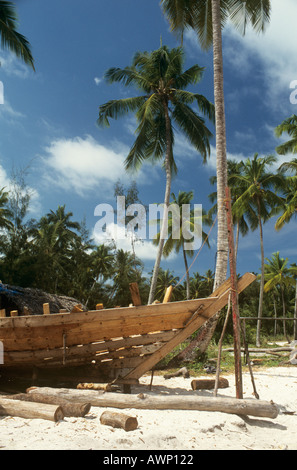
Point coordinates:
[(122, 342)]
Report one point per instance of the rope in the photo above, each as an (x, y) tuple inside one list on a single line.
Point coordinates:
[(197, 253)]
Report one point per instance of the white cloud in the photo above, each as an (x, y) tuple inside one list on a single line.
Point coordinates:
[(12, 65), (97, 80), (4, 179), (83, 165), (276, 49), (143, 248)]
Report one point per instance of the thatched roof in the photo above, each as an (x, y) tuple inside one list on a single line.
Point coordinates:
[(30, 301)]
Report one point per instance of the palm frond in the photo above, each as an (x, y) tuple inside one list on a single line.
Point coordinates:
[(10, 38), (118, 108)]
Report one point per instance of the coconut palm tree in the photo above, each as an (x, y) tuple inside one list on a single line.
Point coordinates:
[(288, 126), (159, 75), (278, 274), (101, 265), (258, 200), (176, 234), (127, 269), (208, 18), (11, 39), (5, 213), (289, 206)]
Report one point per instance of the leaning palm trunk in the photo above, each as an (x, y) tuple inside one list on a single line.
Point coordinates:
[(164, 225)]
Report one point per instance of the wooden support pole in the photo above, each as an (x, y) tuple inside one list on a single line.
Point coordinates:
[(168, 294), (46, 309), (2, 313), (14, 313), (249, 407), (134, 291), (99, 306), (234, 298)]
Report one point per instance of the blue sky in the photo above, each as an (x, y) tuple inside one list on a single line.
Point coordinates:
[(48, 119)]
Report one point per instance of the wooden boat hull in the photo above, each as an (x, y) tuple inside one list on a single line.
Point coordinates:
[(119, 341)]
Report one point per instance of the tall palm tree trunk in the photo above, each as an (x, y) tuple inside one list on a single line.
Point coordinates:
[(187, 272), (284, 311), (295, 313), (164, 224), (260, 308), (207, 330), (221, 152)]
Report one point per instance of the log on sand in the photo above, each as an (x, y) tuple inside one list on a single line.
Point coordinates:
[(209, 384), (30, 410), (68, 408), (176, 402), (119, 420)]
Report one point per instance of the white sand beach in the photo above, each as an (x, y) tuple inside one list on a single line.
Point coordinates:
[(172, 429)]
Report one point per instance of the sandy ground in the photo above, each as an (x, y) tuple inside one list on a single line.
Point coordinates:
[(171, 429)]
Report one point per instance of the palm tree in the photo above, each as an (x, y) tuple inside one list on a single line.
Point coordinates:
[(278, 274), (289, 206), (127, 269), (257, 202), (11, 39), (5, 213), (160, 76), (64, 225), (178, 241), (102, 265), (208, 18), (165, 279), (288, 126)]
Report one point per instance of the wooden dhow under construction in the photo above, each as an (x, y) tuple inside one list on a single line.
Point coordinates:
[(117, 344)]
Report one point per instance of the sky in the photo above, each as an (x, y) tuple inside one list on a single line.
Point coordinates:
[(48, 118)]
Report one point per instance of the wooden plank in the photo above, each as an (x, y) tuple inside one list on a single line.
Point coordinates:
[(135, 295), (17, 339), (91, 316), (182, 335), (38, 356)]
